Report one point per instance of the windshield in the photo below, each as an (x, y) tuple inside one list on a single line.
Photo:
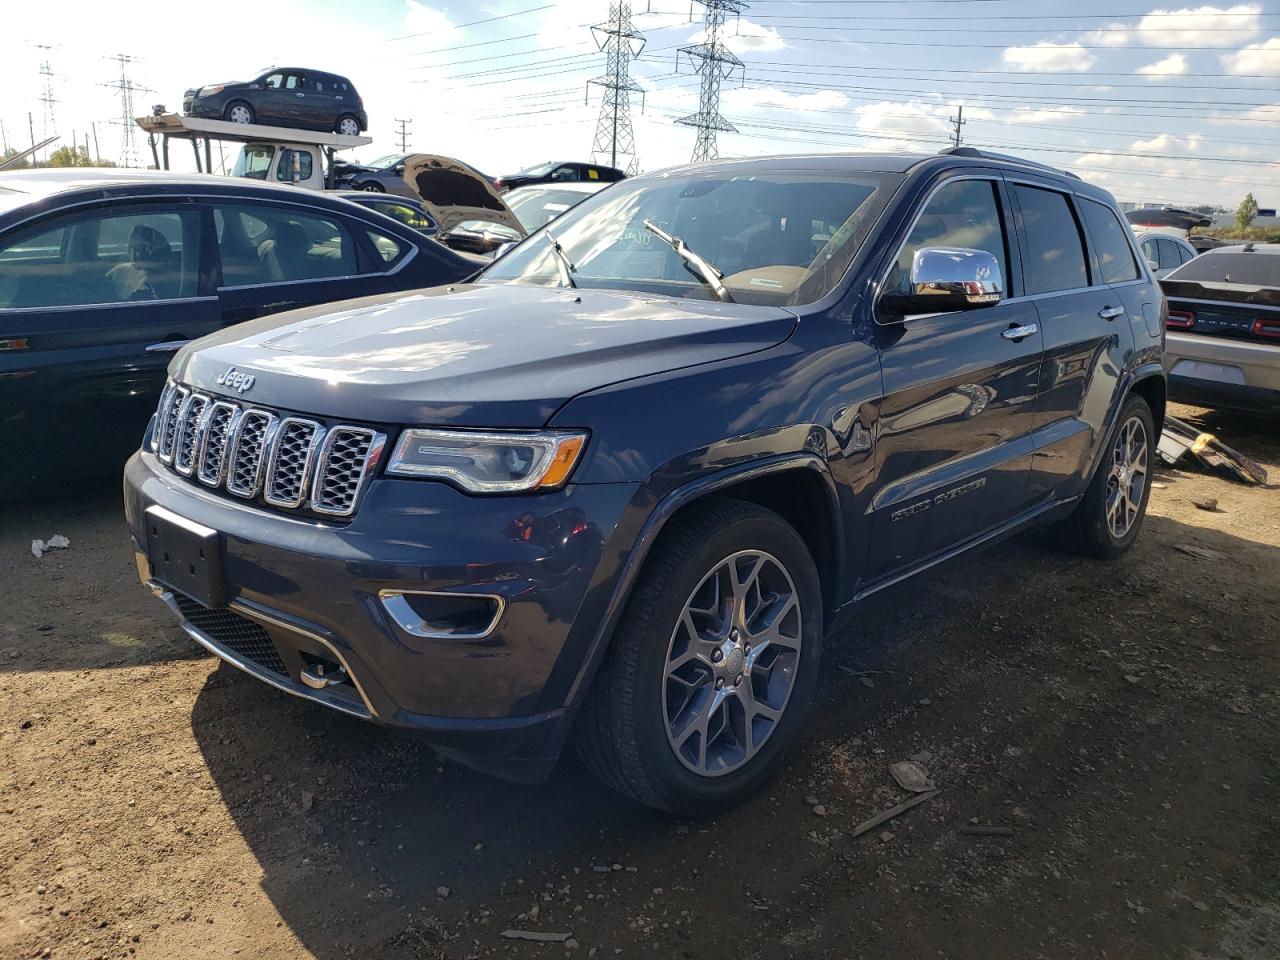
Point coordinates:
[(390, 160), (1252, 269), (535, 207), (539, 169), (254, 162), (778, 236)]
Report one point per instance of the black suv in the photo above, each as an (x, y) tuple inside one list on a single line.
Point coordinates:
[(618, 489), (284, 97)]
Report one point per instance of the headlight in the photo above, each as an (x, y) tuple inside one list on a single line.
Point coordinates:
[(210, 91), (488, 462)]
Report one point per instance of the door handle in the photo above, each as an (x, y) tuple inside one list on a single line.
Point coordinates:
[(168, 346), (299, 94), (1110, 313), (1020, 332)]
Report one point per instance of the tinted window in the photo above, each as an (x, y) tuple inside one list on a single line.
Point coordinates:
[(122, 257), (1055, 254), (387, 248), (1110, 242), (963, 213), (1186, 253), (1169, 257), (1151, 253), (1253, 269), (565, 173), (406, 213), (284, 172), (264, 244)]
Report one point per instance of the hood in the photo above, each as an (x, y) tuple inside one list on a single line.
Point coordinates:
[(453, 192), (483, 355)]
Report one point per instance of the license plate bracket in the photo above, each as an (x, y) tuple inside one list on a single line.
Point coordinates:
[(186, 556)]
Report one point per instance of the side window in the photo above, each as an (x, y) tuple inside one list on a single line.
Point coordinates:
[(593, 173), (1055, 253), (388, 249), (94, 258), (567, 172), (268, 244), (1110, 241), (317, 85), (293, 81), (274, 82), (1169, 255), (963, 213), (284, 172), (1150, 253), (1185, 253), (406, 214)]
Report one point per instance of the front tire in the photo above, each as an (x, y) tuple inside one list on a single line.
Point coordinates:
[(239, 112), (713, 665), (371, 186), (1106, 521)]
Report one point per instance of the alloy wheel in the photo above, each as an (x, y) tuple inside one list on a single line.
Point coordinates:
[(1128, 479), (732, 663)]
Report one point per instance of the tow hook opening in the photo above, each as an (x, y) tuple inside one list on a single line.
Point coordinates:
[(319, 673)]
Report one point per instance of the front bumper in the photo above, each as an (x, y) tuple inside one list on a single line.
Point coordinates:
[(1218, 370), (302, 592)]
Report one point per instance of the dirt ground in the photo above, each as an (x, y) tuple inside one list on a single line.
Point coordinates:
[(1123, 719)]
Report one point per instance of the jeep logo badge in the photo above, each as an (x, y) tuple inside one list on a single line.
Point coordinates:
[(237, 381)]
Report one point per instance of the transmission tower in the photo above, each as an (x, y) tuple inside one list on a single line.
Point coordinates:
[(126, 89), (48, 121), (716, 63), (622, 43), (402, 133)]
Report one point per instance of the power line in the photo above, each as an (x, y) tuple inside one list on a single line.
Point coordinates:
[(622, 43), (473, 23), (716, 63)]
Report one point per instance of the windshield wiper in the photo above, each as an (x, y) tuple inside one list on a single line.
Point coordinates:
[(695, 263), (562, 260)]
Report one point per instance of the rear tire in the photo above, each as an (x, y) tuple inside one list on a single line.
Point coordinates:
[(371, 186), (713, 664), (1107, 519), (238, 111), (347, 125)]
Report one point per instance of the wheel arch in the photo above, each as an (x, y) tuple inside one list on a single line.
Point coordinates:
[(1147, 381), (770, 483)]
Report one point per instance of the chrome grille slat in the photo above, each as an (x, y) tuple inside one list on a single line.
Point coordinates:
[(289, 462), (292, 453), (187, 445), (345, 459), (244, 468), (220, 419)]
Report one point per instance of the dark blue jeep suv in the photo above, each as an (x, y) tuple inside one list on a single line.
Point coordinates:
[(619, 488)]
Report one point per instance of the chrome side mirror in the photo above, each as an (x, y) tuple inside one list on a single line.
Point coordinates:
[(945, 279)]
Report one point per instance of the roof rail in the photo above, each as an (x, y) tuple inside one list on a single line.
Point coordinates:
[(988, 155)]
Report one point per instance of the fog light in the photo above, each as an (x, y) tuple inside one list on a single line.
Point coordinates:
[(443, 616)]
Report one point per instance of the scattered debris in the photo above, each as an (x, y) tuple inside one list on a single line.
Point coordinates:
[(892, 812), (1209, 504), (985, 830), (443, 892), (924, 756), (1179, 437), (911, 775), (536, 936), (57, 542), (1132, 680), (811, 801), (819, 810), (1203, 553), (887, 836), (1159, 485), (308, 801)]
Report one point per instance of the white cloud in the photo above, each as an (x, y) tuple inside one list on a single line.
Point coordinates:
[(1174, 65), (1112, 35), (1168, 143), (1046, 55), (1257, 58), (771, 98), (746, 36), (420, 18), (1188, 26), (1044, 115)]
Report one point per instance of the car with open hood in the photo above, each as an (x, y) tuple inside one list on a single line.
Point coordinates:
[(618, 489)]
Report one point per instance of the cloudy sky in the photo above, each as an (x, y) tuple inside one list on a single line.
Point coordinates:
[(1172, 104)]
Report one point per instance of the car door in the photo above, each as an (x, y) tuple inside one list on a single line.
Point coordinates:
[(90, 304), (1085, 323), (298, 104), (275, 257), (954, 436), (321, 101), (273, 105)]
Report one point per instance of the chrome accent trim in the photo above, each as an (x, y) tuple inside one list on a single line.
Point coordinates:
[(1110, 313), (203, 474), (268, 434), (190, 422), (377, 444), (74, 307), (1020, 333), (304, 471), (397, 607), (266, 676), (169, 423), (165, 396)]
